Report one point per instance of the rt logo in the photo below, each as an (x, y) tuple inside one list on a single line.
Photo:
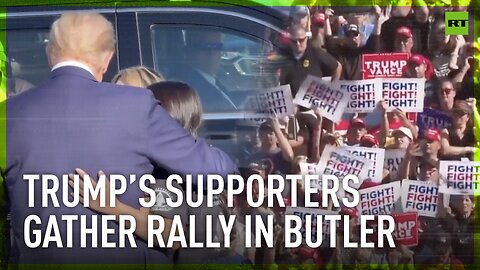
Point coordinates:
[(457, 23)]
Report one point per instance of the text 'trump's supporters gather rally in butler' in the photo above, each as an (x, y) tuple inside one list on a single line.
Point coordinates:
[(382, 93)]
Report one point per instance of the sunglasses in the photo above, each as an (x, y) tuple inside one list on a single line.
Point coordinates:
[(301, 40)]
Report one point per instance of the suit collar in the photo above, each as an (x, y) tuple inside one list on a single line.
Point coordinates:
[(72, 70)]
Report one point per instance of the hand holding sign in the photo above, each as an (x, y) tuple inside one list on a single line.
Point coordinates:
[(273, 101), (316, 93), (407, 94)]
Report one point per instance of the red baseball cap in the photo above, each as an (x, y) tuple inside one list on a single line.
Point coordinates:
[(350, 211), (318, 19), (404, 32), (432, 135), (417, 60), (368, 183), (357, 121), (368, 140)]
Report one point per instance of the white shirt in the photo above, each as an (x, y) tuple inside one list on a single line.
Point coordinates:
[(74, 64)]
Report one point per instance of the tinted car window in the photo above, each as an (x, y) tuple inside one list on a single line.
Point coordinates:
[(224, 66), (27, 63)]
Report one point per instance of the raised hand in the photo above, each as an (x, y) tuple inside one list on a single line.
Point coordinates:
[(329, 12), (414, 150), (383, 14)]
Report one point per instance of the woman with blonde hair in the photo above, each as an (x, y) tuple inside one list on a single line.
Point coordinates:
[(139, 76)]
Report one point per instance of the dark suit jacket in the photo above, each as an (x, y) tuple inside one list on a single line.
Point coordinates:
[(73, 121), (213, 97)]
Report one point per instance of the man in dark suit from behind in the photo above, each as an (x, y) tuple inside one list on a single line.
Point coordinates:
[(73, 120)]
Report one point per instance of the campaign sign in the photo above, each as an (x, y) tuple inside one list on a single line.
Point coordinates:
[(303, 212), (433, 119), (459, 177), (364, 95), (376, 155), (311, 169), (379, 200), (405, 94), (383, 65), (406, 229), (393, 160), (339, 162), (272, 102), (316, 93), (420, 197)]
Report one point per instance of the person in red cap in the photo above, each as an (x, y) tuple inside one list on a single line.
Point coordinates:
[(368, 140), (417, 67), (430, 144), (355, 132), (421, 159), (403, 40)]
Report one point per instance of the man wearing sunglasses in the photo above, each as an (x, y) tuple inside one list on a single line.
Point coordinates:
[(306, 60), (202, 62)]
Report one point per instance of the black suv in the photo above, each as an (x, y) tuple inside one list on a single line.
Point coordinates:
[(157, 37)]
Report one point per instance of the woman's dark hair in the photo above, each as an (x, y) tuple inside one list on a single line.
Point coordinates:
[(181, 101)]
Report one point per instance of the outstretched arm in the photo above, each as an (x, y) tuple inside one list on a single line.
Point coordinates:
[(449, 150), (287, 151)]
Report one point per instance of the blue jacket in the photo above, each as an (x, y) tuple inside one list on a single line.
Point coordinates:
[(72, 121)]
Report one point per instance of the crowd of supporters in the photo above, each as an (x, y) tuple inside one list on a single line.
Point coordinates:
[(325, 44)]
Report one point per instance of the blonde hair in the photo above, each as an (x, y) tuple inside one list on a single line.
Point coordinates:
[(138, 76), (83, 36)]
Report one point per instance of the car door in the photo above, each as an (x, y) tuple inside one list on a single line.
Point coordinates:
[(231, 47)]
